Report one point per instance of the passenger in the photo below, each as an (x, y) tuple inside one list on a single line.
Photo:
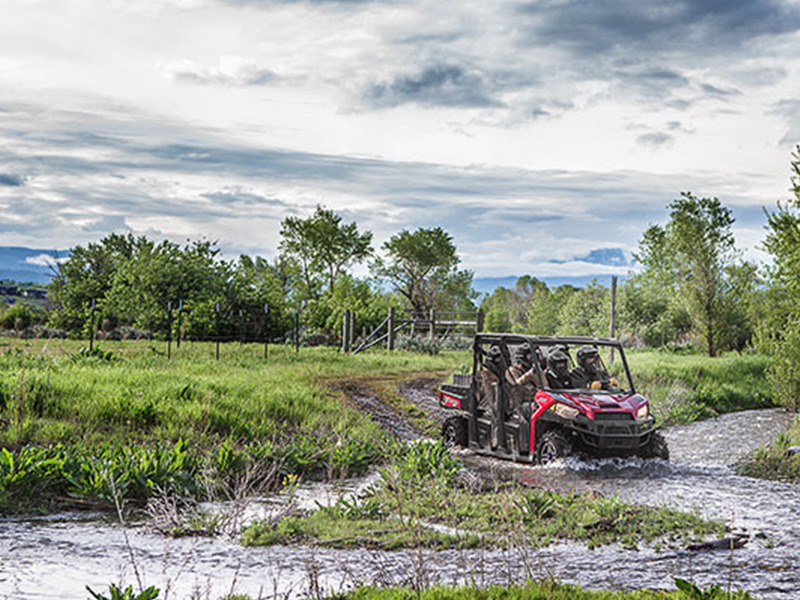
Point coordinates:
[(491, 377), (521, 378), (557, 372), (590, 372)]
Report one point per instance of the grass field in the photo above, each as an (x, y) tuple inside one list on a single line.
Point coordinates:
[(128, 408), (685, 388)]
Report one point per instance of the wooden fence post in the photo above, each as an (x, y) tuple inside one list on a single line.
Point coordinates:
[(346, 331), (613, 326), (479, 318), (390, 331), (432, 334)]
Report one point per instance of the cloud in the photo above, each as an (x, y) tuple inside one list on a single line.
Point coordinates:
[(9, 180), (655, 139), (436, 85), (45, 260), (789, 109), (613, 257), (231, 71), (668, 26)]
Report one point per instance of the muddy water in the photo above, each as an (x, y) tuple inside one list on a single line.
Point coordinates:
[(56, 557)]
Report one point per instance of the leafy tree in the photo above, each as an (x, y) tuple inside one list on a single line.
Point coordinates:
[(508, 309), (586, 312), (691, 276), (703, 246), (779, 332), (87, 275), (323, 247), (544, 313), (422, 266)]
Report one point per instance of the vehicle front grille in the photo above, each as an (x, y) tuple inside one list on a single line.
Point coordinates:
[(613, 416)]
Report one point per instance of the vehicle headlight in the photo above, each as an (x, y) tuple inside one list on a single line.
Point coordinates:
[(566, 412), (642, 412)]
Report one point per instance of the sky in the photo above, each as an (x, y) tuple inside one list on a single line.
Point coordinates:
[(543, 135)]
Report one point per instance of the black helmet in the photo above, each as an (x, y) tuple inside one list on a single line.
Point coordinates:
[(587, 357), (558, 361), (494, 360), (524, 354)]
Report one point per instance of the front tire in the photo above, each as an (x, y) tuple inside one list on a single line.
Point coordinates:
[(552, 447), (454, 432), (656, 447)]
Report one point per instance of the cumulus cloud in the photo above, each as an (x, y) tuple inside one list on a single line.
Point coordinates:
[(232, 71)]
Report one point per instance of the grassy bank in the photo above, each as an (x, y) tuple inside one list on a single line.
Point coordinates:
[(530, 590), (686, 388), (536, 590), (776, 460), (74, 424), (421, 502)]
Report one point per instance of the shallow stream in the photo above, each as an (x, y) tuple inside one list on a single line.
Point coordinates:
[(57, 556)]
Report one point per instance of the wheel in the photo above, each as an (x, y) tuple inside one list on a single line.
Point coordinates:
[(552, 447), (656, 447), (454, 432)]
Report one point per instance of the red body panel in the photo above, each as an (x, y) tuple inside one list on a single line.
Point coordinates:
[(449, 401), (587, 404)]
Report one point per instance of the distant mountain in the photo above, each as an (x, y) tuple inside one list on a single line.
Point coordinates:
[(27, 265)]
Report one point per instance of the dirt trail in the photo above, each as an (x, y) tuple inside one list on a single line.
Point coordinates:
[(421, 392)]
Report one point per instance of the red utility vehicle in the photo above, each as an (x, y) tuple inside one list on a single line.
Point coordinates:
[(604, 418)]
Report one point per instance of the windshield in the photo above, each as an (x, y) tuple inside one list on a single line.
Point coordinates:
[(582, 367)]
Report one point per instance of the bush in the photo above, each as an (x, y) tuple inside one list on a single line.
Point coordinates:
[(784, 374), (21, 316)]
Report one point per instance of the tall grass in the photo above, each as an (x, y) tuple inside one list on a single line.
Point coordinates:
[(685, 388), (132, 396)]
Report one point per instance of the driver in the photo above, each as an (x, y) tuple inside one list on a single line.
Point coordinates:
[(558, 375), (590, 372), (521, 378)]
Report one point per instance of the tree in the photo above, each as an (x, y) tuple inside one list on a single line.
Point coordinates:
[(703, 247), (422, 267), (779, 333), (509, 309), (323, 247), (544, 313), (586, 312), (87, 275)]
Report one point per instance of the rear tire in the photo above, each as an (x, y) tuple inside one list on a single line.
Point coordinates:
[(656, 447), (552, 447), (454, 432)]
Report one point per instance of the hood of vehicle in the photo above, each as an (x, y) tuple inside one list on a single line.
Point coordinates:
[(591, 403)]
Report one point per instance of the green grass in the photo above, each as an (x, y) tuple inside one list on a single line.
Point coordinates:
[(547, 589), (420, 503), (773, 461), (533, 590), (685, 388), (132, 396)]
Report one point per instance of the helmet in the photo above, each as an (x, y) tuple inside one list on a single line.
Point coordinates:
[(524, 354), (587, 357), (494, 359), (558, 361)]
